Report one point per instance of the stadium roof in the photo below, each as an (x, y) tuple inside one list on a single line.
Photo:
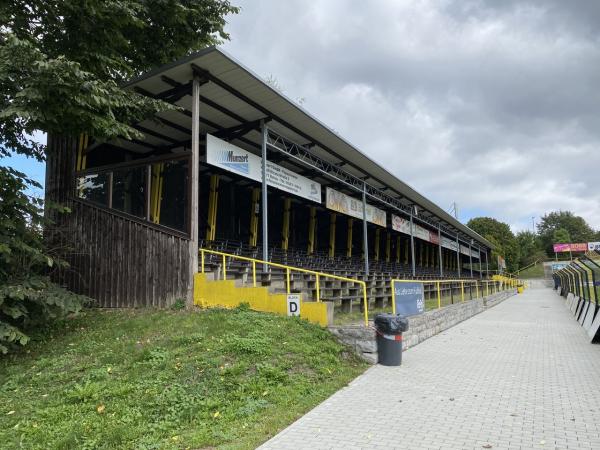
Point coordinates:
[(233, 95)]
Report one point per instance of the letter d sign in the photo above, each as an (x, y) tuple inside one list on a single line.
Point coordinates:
[(293, 304)]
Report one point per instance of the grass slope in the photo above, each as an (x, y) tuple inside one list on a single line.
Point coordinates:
[(163, 380), (536, 271)]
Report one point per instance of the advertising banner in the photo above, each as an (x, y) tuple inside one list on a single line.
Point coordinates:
[(559, 266), (403, 226), (340, 202), (448, 243), (594, 246), (409, 298), (578, 247), (234, 159), (559, 248), (501, 263)]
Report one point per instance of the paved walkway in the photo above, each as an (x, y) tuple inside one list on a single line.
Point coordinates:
[(521, 375)]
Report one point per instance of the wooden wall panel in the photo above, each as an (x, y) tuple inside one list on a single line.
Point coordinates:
[(117, 261)]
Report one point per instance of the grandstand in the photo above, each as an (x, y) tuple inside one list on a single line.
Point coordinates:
[(142, 208)]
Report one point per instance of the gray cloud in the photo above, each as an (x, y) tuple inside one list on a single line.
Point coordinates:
[(494, 105)]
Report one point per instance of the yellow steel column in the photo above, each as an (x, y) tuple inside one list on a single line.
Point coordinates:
[(349, 237), (388, 246), (377, 233), (312, 224), (285, 229), (213, 197), (332, 225), (254, 217)]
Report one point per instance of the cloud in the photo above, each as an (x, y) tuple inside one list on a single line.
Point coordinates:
[(493, 105)]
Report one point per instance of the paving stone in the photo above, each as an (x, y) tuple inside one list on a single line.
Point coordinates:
[(517, 373)]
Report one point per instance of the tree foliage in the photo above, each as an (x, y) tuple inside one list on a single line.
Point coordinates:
[(27, 296), (62, 69), (499, 234), (563, 225)]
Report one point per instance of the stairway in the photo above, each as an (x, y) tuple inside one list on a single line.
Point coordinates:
[(210, 293)]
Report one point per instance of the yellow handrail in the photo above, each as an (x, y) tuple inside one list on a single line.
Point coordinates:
[(288, 270)]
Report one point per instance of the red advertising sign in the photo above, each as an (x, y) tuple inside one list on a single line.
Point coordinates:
[(579, 247)]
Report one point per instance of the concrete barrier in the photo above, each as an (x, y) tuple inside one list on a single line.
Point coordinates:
[(570, 297), (589, 317), (583, 312), (362, 339), (594, 330)]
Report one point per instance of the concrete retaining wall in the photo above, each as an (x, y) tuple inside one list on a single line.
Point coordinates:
[(422, 327)]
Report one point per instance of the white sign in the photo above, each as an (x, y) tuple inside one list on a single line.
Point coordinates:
[(293, 304), (403, 226), (345, 204), (449, 243), (594, 246), (234, 159)]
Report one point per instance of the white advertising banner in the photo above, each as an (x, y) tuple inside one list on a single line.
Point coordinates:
[(448, 243), (234, 159), (594, 246), (340, 202), (403, 226)]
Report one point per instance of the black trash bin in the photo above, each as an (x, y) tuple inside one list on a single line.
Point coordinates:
[(388, 331)]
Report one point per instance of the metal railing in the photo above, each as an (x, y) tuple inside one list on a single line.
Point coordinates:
[(288, 271), (485, 287)]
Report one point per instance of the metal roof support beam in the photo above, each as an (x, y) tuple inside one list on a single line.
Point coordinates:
[(365, 234), (412, 248), (300, 153), (255, 105), (265, 226), (471, 257), (194, 181), (441, 261), (150, 132), (458, 257)]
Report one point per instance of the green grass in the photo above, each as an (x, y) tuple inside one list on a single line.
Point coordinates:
[(536, 271), (151, 379)]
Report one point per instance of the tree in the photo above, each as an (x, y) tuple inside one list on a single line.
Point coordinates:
[(529, 248), (561, 236), (575, 227), (499, 234), (62, 68)]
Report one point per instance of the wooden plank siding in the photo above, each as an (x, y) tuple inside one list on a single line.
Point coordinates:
[(116, 260)]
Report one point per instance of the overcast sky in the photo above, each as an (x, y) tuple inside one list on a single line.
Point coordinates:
[(494, 105)]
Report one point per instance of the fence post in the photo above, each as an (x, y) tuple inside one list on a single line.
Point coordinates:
[(318, 288), (439, 295), (224, 269), (253, 273), (201, 261), (462, 291), (287, 276), (365, 303)]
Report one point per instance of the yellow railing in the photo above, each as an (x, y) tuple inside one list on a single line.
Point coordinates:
[(288, 271), (487, 287)]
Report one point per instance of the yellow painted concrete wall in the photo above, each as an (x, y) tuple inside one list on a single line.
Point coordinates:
[(225, 294)]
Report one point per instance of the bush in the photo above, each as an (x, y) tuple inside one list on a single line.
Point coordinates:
[(28, 298)]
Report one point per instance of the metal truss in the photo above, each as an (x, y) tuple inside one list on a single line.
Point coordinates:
[(301, 153)]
